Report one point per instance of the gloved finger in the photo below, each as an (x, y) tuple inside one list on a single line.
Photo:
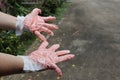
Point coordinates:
[(43, 45), (62, 52), (65, 58), (47, 31), (39, 35), (50, 26), (57, 69), (34, 29), (54, 47), (41, 28), (49, 18), (36, 11)]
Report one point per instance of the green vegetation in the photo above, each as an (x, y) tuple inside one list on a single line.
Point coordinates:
[(60, 10), (9, 42)]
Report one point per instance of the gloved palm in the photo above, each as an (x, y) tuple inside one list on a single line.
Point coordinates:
[(37, 24), (49, 57)]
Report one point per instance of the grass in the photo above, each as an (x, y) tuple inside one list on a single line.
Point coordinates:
[(26, 40), (60, 11)]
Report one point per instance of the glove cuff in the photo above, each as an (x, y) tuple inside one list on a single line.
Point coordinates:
[(30, 65), (19, 25)]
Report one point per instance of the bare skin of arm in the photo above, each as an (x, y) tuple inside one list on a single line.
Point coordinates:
[(7, 21), (10, 64)]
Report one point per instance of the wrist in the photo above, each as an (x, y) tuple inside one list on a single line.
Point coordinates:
[(30, 65)]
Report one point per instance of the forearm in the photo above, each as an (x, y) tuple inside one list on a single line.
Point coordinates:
[(10, 64), (7, 21)]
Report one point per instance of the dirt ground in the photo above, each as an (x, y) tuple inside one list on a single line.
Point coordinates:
[(91, 30)]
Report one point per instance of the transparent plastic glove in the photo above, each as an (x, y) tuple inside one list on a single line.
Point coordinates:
[(48, 58), (36, 24)]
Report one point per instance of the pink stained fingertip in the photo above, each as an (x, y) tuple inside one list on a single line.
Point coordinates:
[(65, 58), (40, 36), (49, 18), (63, 52), (57, 69), (54, 47), (36, 11)]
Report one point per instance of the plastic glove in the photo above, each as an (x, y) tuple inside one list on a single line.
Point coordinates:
[(36, 24), (47, 58)]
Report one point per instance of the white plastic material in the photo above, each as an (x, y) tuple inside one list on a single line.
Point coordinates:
[(19, 25), (30, 65)]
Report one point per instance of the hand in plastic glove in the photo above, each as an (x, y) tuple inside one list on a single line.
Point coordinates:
[(47, 58), (36, 24)]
